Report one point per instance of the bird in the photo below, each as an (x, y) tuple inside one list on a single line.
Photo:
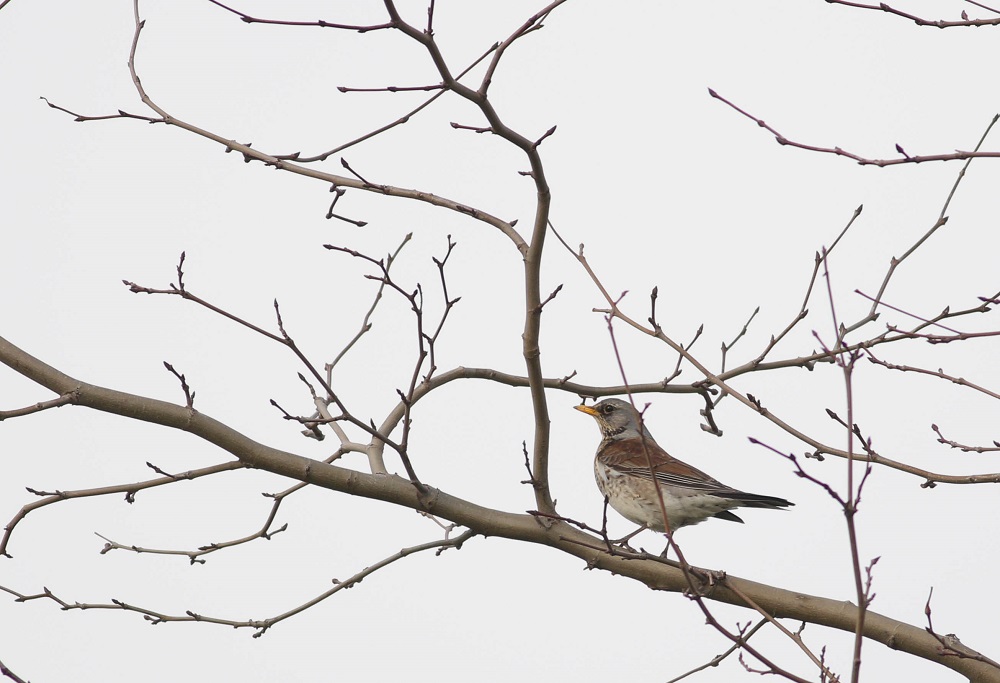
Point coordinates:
[(625, 476)]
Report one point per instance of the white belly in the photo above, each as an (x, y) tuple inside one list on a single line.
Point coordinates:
[(636, 500)]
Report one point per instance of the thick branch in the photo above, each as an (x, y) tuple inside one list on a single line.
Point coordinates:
[(524, 527)]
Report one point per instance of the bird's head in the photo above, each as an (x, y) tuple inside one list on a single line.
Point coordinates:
[(616, 418)]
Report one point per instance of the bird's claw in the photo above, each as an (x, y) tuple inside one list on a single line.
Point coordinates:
[(623, 541), (707, 579)]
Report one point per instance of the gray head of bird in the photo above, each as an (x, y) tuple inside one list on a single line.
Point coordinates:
[(617, 419)]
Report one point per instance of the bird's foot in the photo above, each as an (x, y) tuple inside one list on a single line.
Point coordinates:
[(623, 541), (705, 580)]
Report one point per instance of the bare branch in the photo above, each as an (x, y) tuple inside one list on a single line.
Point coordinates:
[(803, 309), (936, 23), (533, 253), (405, 118), (863, 161), (533, 23), (726, 347), (246, 18), (794, 637), (79, 118), (265, 532), (181, 290), (285, 162), (981, 5), (66, 399), (940, 374), (392, 88), (680, 358), (489, 522), (128, 489), (366, 321), (4, 669), (951, 646), (900, 310), (894, 263), (718, 659), (847, 362), (188, 394), (260, 626), (962, 447), (721, 380)]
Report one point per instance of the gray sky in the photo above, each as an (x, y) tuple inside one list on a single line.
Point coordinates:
[(663, 184)]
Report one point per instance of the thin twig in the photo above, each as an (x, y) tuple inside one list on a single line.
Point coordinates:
[(863, 161), (58, 402), (4, 669), (260, 626), (246, 18), (936, 23), (48, 498), (719, 658)]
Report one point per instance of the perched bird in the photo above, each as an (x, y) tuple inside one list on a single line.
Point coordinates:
[(623, 474)]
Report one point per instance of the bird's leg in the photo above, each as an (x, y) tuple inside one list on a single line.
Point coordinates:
[(622, 542)]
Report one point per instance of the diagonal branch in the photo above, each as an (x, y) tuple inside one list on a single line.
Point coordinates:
[(482, 520), (718, 659), (863, 161), (58, 402), (4, 669)]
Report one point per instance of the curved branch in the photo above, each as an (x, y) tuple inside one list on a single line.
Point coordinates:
[(720, 380), (260, 626), (250, 154), (930, 478), (250, 19), (128, 489), (554, 533), (863, 161)]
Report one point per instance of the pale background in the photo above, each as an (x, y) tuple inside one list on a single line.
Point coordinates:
[(664, 185)]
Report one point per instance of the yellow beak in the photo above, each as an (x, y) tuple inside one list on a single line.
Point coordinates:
[(588, 410)]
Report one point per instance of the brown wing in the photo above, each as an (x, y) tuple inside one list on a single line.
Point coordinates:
[(628, 456)]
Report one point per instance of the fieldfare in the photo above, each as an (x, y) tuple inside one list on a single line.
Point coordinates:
[(623, 474)]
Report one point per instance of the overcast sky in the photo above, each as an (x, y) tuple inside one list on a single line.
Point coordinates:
[(664, 185)]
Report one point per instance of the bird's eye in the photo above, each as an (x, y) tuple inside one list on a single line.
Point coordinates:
[(607, 409)]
